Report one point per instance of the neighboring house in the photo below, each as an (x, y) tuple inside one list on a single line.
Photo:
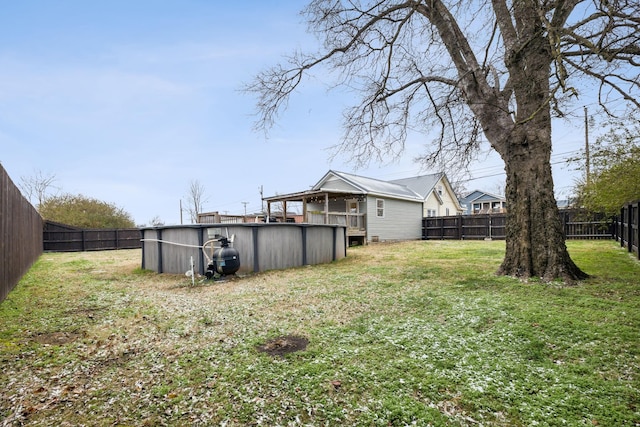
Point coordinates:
[(481, 202), (566, 204), (374, 210), (438, 196)]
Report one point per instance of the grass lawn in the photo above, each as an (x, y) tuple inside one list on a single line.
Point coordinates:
[(413, 333)]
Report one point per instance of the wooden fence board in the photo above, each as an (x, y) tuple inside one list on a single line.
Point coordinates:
[(627, 230), (20, 234)]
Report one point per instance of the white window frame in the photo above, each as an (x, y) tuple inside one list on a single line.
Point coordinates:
[(379, 208)]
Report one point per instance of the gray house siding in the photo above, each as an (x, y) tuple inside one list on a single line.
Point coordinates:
[(405, 201), (338, 185), (402, 220)]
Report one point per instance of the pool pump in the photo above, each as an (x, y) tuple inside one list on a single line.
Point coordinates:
[(224, 260)]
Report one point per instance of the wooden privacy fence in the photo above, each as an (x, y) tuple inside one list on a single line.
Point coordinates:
[(463, 227), (627, 231), (20, 234), (63, 238), (577, 225)]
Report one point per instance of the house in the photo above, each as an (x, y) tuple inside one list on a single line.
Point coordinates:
[(566, 204), (374, 210), (481, 202)]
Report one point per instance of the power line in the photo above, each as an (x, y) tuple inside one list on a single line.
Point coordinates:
[(503, 173)]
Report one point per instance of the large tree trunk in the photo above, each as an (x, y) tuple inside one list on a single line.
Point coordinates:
[(534, 232)]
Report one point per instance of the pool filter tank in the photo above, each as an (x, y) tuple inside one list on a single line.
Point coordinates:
[(225, 260)]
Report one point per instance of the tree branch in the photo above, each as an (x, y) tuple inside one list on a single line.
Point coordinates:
[(606, 82)]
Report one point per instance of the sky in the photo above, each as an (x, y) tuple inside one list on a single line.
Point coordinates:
[(129, 102)]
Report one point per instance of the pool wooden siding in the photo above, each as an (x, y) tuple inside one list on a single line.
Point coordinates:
[(261, 247)]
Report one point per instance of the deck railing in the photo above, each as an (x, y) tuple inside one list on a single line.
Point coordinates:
[(353, 221)]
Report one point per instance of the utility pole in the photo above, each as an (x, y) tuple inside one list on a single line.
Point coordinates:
[(586, 145), (245, 207), (180, 211), (261, 200)]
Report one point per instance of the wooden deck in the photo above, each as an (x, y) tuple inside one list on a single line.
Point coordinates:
[(356, 223)]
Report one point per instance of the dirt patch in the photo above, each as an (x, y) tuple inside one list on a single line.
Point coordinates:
[(56, 338), (284, 345)]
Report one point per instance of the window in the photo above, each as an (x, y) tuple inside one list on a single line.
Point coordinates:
[(380, 208), (447, 212), (431, 212)]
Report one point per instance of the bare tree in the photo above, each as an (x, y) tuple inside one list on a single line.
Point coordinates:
[(156, 221), (195, 199), (38, 186), (498, 188), (498, 68)]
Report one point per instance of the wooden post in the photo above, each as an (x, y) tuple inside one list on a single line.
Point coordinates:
[(284, 211), (326, 208), (487, 231), (629, 233), (620, 230), (304, 210), (637, 222)]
